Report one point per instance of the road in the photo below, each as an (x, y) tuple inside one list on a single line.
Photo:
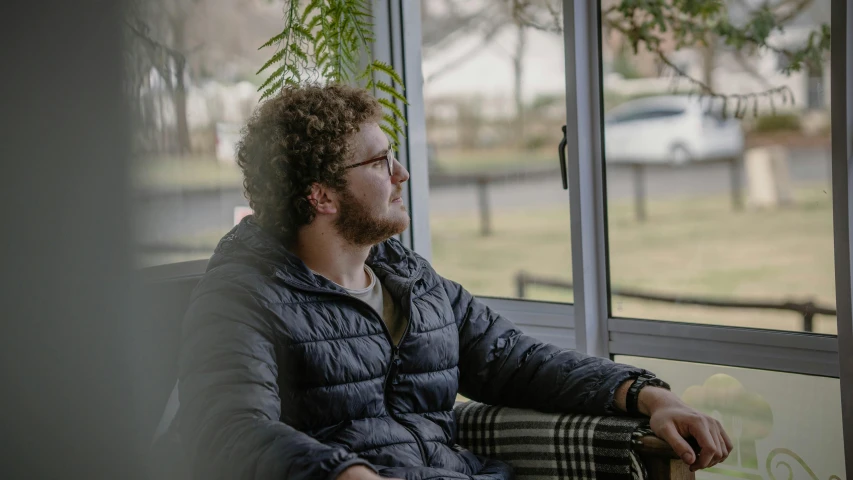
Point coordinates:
[(806, 166), (161, 219)]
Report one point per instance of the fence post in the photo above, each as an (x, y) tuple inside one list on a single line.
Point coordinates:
[(483, 203), (639, 192), (520, 284), (808, 317), (737, 184)]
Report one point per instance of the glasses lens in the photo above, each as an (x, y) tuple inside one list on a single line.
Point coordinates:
[(389, 158)]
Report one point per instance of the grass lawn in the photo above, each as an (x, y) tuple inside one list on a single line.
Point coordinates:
[(696, 247), (460, 161), (188, 172)]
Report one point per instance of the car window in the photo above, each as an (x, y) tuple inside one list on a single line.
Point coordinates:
[(629, 116), (665, 112), (646, 114)]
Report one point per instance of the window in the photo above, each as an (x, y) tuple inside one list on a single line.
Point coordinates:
[(725, 221), (782, 425), (187, 188), (494, 96)]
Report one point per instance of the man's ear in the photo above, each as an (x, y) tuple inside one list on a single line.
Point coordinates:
[(323, 199)]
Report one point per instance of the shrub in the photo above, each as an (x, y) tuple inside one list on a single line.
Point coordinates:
[(777, 123)]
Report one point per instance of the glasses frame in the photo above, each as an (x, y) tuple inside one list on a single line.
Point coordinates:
[(387, 156)]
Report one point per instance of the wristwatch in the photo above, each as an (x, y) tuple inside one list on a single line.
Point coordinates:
[(644, 380)]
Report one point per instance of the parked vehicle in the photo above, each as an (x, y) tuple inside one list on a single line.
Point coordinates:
[(673, 129)]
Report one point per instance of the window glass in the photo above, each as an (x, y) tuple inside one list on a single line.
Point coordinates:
[(494, 95), (192, 75), (720, 218), (782, 425)]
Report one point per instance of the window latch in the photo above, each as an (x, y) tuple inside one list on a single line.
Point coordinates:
[(562, 154)]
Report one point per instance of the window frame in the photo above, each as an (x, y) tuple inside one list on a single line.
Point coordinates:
[(842, 207), (537, 318), (397, 33)]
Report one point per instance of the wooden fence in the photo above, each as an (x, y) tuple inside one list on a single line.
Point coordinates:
[(808, 310)]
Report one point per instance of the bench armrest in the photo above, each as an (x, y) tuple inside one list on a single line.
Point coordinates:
[(567, 446), (660, 459)]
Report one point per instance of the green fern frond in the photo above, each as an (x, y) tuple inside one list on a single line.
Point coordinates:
[(320, 45), (392, 134), (272, 77), (326, 38), (354, 17), (393, 108), (387, 70), (312, 7), (316, 20), (361, 7), (384, 87), (388, 119), (297, 50), (274, 39), (275, 87), (322, 58), (275, 58), (294, 71), (302, 31)]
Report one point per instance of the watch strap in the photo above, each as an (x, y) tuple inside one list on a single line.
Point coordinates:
[(633, 396)]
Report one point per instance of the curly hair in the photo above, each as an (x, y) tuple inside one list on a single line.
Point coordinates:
[(297, 138)]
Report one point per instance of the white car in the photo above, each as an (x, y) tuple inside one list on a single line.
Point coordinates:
[(673, 129)]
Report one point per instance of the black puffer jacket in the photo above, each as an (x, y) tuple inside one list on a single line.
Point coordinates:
[(285, 376)]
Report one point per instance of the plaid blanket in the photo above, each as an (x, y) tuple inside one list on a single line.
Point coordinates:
[(552, 446)]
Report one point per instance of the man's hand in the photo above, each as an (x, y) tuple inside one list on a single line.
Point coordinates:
[(673, 421), (360, 472)]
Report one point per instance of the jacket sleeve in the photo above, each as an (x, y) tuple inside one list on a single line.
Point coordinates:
[(228, 418), (499, 365)]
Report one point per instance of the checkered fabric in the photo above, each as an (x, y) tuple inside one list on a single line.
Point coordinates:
[(552, 446)]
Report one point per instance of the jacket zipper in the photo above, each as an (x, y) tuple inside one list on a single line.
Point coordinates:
[(395, 352)]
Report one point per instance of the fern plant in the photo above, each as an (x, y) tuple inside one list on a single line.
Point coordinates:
[(322, 40)]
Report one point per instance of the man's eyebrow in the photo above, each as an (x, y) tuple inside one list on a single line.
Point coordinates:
[(383, 151)]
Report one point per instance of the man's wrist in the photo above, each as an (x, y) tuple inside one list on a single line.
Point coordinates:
[(632, 398), (652, 398)]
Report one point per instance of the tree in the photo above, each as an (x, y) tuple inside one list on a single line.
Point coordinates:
[(327, 39), (709, 25), (158, 41), (447, 21), (655, 26)]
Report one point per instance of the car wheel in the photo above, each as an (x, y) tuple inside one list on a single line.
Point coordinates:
[(679, 155)]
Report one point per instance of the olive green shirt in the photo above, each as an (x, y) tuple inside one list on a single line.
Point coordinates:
[(380, 300)]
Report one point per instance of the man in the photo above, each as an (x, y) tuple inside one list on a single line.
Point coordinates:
[(317, 346)]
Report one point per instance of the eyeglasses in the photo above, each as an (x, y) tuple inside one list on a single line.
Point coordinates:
[(387, 156)]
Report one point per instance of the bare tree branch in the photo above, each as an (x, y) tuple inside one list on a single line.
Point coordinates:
[(749, 68), (461, 59)]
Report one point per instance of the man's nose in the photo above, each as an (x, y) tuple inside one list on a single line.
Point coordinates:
[(400, 173)]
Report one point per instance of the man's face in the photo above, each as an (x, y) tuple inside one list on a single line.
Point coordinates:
[(371, 207)]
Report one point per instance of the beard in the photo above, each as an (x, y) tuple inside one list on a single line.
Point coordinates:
[(361, 226)]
